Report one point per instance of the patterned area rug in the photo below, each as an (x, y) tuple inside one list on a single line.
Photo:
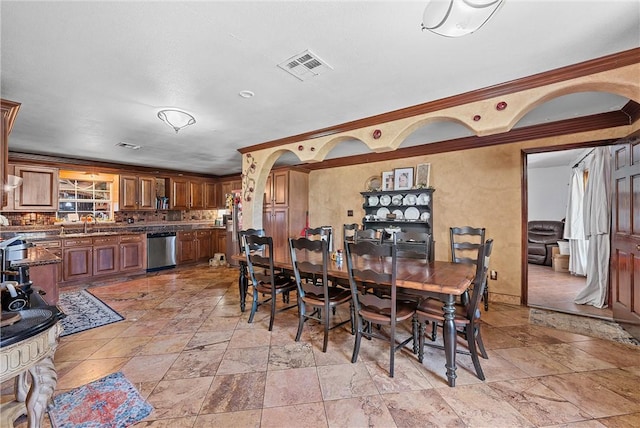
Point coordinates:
[(109, 402), (84, 311)]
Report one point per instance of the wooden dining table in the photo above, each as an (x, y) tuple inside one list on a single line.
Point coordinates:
[(436, 279)]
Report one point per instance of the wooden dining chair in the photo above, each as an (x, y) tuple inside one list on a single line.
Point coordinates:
[(243, 233), (465, 244), (412, 244), (375, 265), (263, 277), (466, 318), (349, 230), (365, 235), (317, 299)]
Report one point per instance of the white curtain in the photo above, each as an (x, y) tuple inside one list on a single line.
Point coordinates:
[(597, 209), (574, 223)]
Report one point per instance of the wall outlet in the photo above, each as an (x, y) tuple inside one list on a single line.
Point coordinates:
[(493, 275), (349, 213)]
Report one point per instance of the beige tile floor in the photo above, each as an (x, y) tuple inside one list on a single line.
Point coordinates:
[(190, 351)]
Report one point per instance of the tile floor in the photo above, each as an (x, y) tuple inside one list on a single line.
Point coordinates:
[(190, 351)]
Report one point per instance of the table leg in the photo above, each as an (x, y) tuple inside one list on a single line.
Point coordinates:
[(449, 336), (43, 383), (242, 285)]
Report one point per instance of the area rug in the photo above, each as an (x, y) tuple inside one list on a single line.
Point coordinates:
[(84, 311), (110, 402)]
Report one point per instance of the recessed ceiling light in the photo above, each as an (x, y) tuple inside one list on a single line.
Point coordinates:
[(246, 94)]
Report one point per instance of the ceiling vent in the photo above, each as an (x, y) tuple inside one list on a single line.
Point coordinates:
[(305, 65), (128, 146)]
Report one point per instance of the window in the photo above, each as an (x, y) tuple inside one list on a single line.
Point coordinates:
[(88, 195)]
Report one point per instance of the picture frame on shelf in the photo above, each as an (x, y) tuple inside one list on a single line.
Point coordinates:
[(423, 173), (387, 180), (403, 178)]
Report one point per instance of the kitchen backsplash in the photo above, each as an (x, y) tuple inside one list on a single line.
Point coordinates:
[(44, 219)]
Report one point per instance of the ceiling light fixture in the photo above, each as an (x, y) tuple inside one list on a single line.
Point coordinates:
[(246, 94), (177, 119), (456, 18)]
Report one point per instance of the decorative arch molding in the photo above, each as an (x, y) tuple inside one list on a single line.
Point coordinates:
[(490, 116)]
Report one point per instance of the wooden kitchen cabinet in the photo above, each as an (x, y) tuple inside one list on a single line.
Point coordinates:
[(187, 194), (47, 277), (39, 189), (9, 111), (196, 194), (212, 198), (77, 259), (54, 247), (203, 244), (186, 247), (219, 239), (137, 192), (133, 253), (285, 210), (227, 187), (105, 255)]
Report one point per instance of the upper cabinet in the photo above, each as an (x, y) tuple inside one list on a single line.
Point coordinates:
[(212, 198), (187, 193), (137, 192), (39, 189), (9, 112)]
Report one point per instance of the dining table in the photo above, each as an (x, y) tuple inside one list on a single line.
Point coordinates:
[(440, 280)]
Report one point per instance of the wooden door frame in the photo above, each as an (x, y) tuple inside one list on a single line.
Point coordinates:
[(524, 286)]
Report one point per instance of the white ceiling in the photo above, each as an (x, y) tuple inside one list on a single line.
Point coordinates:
[(92, 74)]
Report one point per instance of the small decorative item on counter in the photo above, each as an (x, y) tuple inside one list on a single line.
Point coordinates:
[(339, 257)]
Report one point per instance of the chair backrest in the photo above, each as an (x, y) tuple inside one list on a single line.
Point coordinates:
[(480, 280), (322, 232), (412, 244), (349, 230), (310, 258), (243, 233), (260, 259), (372, 263), (364, 235), (465, 243)]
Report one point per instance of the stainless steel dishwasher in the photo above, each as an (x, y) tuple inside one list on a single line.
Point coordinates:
[(161, 251)]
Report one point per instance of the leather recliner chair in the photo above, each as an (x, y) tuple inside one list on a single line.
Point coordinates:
[(543, 235)]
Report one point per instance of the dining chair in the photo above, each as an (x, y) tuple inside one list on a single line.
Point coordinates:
[(349, 230), (264, 278), (465, 244), (243, 233), (315, 299), (412, 244), (321, 232), (364, 235), (466, 318), (375, 265)]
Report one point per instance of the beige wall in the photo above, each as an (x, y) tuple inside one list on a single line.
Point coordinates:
[(477, 187)]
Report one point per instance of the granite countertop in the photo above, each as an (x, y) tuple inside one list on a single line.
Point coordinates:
[(37, 256)]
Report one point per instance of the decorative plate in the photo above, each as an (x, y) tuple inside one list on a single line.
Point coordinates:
[(410, 200), (425, 216), (399, 214), (423, 199), (373, 201), (396, 200), (385, 200), (373, 184), (412, 213), (382, 213)]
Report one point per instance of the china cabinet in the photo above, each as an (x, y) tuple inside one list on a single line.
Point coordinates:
[(399, 210)]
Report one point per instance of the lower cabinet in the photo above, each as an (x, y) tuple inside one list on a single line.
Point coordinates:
[(186, 247), (85, 258), (45, 277), (133, 253), (203, 245), (196, 245)]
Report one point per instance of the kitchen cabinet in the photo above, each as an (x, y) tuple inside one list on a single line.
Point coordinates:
[(212, 195), (203, 245), (133, 253), (219, 241), (39, 189), (47, 277), (285, 208), (137, 192), (187, 194), (227, 187), (186, 247), (105, 255), (9, 113), (77, 259)]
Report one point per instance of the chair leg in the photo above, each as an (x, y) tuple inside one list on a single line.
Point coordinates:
[(356, 345), (326, 331), (254, 306), (478, 338), (414, 332), (434, 331), (273, 312), (421, 331), (392, 354), (352, 315), (474, 354), (485, 297), (301, 310)]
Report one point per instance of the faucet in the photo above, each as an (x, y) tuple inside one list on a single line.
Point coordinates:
[(86, 221)]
